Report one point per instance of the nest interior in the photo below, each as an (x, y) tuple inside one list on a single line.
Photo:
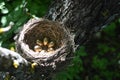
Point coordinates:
[(51, 30)]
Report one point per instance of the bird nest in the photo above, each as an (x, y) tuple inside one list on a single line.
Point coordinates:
[(45, 29), (44, 40)]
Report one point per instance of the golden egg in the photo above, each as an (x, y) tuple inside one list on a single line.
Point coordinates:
[(50, 49), (51, 44), (38, 42), (37, 48), (45, 41)]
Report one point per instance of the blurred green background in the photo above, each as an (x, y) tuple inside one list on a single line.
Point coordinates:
[(99, 59)]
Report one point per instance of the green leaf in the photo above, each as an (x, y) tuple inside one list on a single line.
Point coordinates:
[(107, 74), (110, 29), (4, 11), (81, 52), (3, 20), (100, 64), (96, 77)]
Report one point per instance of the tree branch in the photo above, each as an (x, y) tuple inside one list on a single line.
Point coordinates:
[(10, 60)]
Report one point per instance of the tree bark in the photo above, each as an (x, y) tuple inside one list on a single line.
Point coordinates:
[(84, 17), (8, 57)]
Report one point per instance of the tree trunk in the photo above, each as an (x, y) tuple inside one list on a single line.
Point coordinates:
[(84, 17)]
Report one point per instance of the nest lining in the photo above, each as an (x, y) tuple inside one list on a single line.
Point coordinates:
[(45, 29)]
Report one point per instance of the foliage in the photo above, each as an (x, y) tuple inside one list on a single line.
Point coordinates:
[(99, 59), (19, 12)]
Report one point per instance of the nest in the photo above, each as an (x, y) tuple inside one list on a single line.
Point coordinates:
[(45, 29), (38, 29)]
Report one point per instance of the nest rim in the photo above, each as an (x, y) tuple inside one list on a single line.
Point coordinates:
[(30, 53)]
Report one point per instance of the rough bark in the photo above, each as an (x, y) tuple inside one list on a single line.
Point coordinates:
[(7, 59), (84, 17), (14, 64)]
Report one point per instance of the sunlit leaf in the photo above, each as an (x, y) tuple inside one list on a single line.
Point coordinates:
[(3, 20), (2, 5), (4, 10)]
